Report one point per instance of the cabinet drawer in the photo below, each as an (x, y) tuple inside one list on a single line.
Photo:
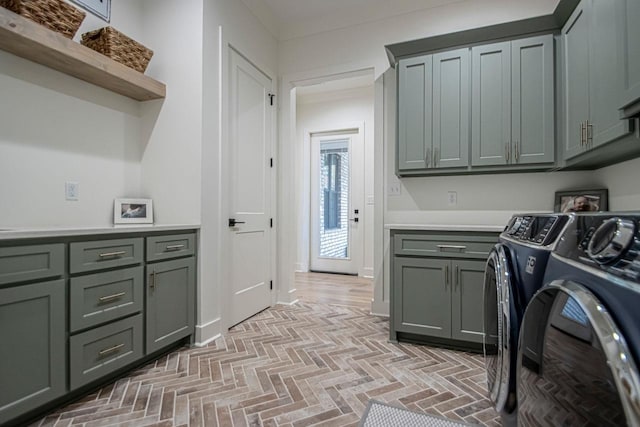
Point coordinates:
[(22, 263), (101, 254), (103, 297), (443, 245), (102, 350), (165, 247)]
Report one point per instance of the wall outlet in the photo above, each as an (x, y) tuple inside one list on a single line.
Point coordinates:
[(452, 198), (71, 190), (395, 189)]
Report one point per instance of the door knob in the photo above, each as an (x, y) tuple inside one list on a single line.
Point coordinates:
[(233, 222)]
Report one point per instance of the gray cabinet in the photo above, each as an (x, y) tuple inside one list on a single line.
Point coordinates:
[(593, 77), (513, 102), (437, 284), (170, 313), (33, 356), (415, 82), (451, 97), (630, 16)]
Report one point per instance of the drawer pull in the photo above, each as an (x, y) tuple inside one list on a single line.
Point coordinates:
[(110, 349), (110, 254), (461, 248), (110, 297), (152, 280), (173, 247)]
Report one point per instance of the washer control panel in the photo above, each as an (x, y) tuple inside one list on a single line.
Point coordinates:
[(608, 242), (535, 229)]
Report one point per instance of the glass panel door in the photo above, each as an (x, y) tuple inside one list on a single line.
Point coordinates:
[(334, 199)]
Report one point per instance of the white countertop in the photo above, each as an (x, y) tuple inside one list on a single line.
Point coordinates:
[(445, 227), (34, 232)]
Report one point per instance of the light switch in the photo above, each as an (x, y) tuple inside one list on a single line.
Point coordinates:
[(71, 190)]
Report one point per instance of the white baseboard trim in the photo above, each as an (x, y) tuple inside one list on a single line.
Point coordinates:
[(288, 303), (302, 268), (207, 333), (380, 308), (367, 272)]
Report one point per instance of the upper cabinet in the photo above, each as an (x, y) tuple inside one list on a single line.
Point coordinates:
[(451, 97), (32, 41), (513, 108), (415, 86), (593, 76), (433, 112), (630, 16)]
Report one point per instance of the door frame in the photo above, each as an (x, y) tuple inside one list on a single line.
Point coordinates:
[(226, 293), (304, 234)]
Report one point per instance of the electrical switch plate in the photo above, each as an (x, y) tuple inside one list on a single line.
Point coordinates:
[(452, 198), (71, 190), (395, 189)]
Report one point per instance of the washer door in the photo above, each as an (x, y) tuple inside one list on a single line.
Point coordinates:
[(574, 367), (500, 331)]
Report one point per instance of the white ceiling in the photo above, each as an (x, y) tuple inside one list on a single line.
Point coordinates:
[(287, 19)]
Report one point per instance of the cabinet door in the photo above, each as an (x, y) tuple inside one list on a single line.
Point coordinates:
[(466, 300), (491, 110), (606, 72), (422, 296), (631, 34), (532, 100), (170, 302), (33, 349), (414, 113), (575, 79), (451, 109)]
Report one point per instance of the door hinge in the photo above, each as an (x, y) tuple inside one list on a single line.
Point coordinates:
[(271, 96), (271, 161), (271, 284), (271, 222)]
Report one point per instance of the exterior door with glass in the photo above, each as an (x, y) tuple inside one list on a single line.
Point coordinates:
[(337, 175)]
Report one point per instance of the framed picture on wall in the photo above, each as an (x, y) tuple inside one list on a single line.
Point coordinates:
[(133, 211), (100, 8), (582, 200)]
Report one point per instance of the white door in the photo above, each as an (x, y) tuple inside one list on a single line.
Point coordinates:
[(250, 136), (337, 196)]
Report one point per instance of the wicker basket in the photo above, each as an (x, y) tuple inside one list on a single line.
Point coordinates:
[(112, 43), (56, 15)]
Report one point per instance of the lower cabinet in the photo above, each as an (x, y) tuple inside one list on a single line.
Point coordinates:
[(170, 302), (437, 287), (33, 355)]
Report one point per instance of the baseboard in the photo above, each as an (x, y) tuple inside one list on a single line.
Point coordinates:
[(367, 272), (207, 333), (380, 308), (302, 268)]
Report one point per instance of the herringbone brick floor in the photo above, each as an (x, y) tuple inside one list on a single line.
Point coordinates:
[(310, 363)]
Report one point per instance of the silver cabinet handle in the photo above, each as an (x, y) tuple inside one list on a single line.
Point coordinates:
[(446, 275), (110, 297), (516, 151), (152, 279), (589, 133), (110, 349), (110, 254), (583, 134), (441, 247), (435, 157), (173, 247)]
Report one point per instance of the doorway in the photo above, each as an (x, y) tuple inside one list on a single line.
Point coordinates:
[(250, 254), (336, 202)]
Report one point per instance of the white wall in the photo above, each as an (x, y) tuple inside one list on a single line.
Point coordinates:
[(622, 181), (56, 128), (326, 112)]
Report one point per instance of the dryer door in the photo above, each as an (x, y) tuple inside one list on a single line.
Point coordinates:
[(499, 320), (574, 367)]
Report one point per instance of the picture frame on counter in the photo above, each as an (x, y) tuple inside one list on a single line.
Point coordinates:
[(132, 211), (582, 200), (100, 8)]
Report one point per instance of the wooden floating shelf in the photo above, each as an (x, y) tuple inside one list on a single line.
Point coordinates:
[(32, 41)]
